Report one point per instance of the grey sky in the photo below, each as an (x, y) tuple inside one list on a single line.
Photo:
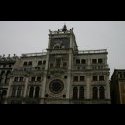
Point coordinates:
[(32, 36)]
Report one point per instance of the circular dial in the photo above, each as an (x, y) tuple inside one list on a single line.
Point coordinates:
[(56, 86)]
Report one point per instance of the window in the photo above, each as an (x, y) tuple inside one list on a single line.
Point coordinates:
[(16, 79), (64, 96), (25, 63), (101, 92), (77, 61), (48, 77), (10, 65), (95, 93), (44, 62), (30, 63), (75, 92), (64, 64), (19, 92), (65, 77), (33, 79), (4, 65), (8, 72), (21, 79), (51, 65), (83, 61), (4, 92), (82, 78), (38, 79), (58, 62), (40, 63), (31, 92), (81, 93), (78, 68), (37, 92), (120, 74), (94, 61), (46, 95), (95, 78), (101, 78), (13, 92), (75, 78), (2, 73), (100, 61)]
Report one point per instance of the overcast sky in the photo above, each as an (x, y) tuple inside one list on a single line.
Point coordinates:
[(32, 36)]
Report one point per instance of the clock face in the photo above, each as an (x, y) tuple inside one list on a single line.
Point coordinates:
[(56, 86), (59, 43)]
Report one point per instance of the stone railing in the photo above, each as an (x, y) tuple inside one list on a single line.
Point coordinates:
[(92, 51), (34, 54)]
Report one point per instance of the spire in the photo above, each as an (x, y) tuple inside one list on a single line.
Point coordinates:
[(64, 28)]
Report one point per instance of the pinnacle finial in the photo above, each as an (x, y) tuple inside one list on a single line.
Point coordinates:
[(64, 27)]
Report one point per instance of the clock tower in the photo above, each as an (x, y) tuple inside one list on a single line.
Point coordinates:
[(62, 45)]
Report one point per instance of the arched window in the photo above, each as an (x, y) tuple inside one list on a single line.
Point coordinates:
[(95, 93), (31, 92), (44, 62), (2, 73), (101, 92), (4, 92), (37, 92), (40, 63), (13, 92), (75, 92), (19, 92), (81, 93), (8, 72)]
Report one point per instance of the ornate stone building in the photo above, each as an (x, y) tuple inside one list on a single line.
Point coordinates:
[(6, 65), (61, 75), (118, 86)]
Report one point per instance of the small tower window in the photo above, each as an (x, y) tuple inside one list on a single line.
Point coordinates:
[(77, 61), (44, 62), (95, 93), (95, 78), (25, 63), (100, 61), (40, 63), (75, 78), (83, 61), (30, 63), (37, 92), (94, 61), (82, 78), (75, 93), (101, 78)]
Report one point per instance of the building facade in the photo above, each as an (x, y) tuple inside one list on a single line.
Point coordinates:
[(61, 75), (6, 66), (118, 86)]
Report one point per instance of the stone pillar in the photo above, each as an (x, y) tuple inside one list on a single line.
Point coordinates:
[(98, 92), (25, 89), (71, 40), (69, 75), (9, 91), (88, 82), (9, 87), (107, 92), (44, 85)]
